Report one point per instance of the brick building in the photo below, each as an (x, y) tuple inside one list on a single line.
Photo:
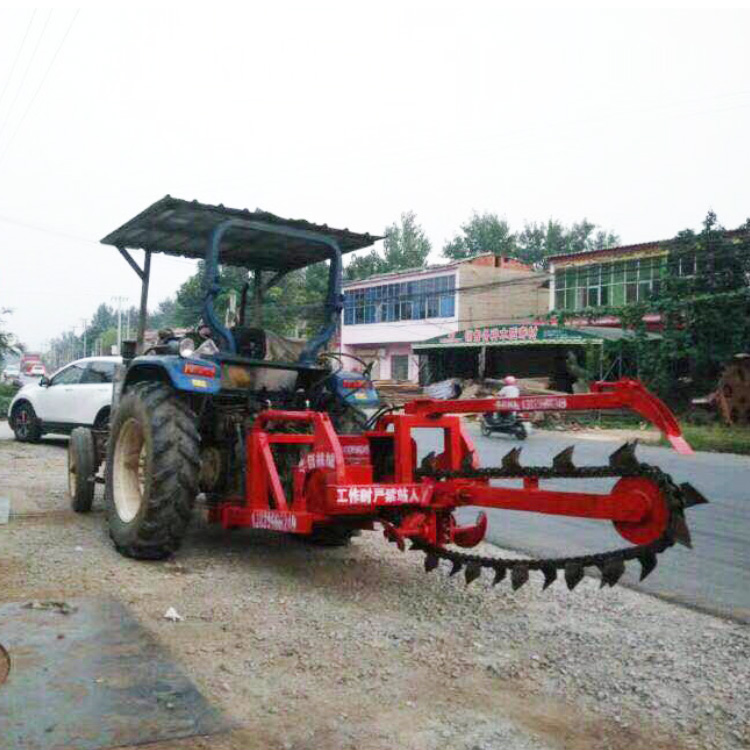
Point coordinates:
[(614, 277), (385, 315)]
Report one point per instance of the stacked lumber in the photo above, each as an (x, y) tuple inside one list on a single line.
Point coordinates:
[(397, 392)]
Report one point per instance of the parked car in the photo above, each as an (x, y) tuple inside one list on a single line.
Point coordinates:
[(11, 373), (37, 371), (79, 394)]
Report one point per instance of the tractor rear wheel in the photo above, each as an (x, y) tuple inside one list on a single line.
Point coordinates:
[(81, 469), (153, 464)]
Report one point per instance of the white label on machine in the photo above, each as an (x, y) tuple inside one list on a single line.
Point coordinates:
[(382, 495), (538, 403), (273, 520)]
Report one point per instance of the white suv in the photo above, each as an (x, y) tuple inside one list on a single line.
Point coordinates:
[(78, 394)]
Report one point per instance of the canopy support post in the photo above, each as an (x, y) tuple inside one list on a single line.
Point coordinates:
[(257, 317), (145, 277)]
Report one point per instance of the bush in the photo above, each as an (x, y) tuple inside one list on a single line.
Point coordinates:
[(7, 392)]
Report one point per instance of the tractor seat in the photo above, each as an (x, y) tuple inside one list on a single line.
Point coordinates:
[(260, 343)]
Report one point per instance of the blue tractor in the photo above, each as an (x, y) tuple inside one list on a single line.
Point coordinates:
[(182, 406)]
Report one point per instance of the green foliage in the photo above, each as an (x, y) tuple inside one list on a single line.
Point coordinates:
[(538, 240), (6, 338), (405, 246), (164, 315), (704, 303), (487, 233), (7, 392), (482, 233), (716, 438)]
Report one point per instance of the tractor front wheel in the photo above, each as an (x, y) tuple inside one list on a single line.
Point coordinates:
[(153, 463), (81, 469)]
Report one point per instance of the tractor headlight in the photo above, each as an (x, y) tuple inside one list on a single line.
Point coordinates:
[(186, 347)]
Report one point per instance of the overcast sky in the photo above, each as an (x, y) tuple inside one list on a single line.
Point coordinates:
[(348, 115)]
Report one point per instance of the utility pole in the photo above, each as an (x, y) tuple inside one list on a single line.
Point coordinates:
[(119, 301), (85, 323), (127, 324)]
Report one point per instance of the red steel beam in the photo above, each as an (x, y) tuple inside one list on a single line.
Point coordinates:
[(610, 507), (626, 393)]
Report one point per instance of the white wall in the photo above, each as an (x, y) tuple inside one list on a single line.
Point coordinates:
[(400, 330)]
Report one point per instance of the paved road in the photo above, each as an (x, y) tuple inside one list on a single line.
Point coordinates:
[(714, 576)]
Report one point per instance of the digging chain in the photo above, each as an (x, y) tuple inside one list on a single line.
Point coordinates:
[(611, 564)]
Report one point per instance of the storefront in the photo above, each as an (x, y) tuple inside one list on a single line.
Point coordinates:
[(526, 350)]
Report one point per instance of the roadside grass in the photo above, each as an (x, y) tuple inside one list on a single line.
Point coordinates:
[(6, 396), (716, 438)]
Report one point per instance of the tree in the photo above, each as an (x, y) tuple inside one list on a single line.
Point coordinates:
[(7, 339), (405, 246), (538, 241), (164, 315), (704, 304), (483, 233)]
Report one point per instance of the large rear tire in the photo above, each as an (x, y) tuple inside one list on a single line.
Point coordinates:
[(81, 469), (153, 464)]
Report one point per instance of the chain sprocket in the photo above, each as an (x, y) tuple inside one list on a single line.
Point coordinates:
[(611, 564)]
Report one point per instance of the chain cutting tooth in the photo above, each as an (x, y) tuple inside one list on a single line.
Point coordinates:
[(648, 561), (612, 571), (519, 574), (563, 461), (573, 574), (500, 572), (431, 561), (624, 457), (550, 576), (472, 572), (680, 531), (457, 565), (510, 460), (691, 496)]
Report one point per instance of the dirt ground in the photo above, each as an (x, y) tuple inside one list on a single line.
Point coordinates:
[(357, 648)]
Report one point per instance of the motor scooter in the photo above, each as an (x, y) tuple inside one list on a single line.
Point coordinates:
[(504, 422)]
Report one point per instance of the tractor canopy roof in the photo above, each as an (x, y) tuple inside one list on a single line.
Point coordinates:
[(179, 227)]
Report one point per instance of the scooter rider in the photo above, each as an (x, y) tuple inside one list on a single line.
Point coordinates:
[(510, 389), (505, 421)]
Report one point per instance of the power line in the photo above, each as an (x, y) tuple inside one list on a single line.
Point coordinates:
[(17, 57), (75, 237), (39, 87), (25, 73)]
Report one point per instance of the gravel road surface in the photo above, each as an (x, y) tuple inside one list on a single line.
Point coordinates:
[(357, 648)]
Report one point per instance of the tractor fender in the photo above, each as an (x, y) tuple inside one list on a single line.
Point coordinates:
[(175, 371)]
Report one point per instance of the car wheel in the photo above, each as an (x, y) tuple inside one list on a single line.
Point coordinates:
[(26, 426), (81, 469)]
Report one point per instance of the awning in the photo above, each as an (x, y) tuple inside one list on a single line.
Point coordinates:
[(524, 334)]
